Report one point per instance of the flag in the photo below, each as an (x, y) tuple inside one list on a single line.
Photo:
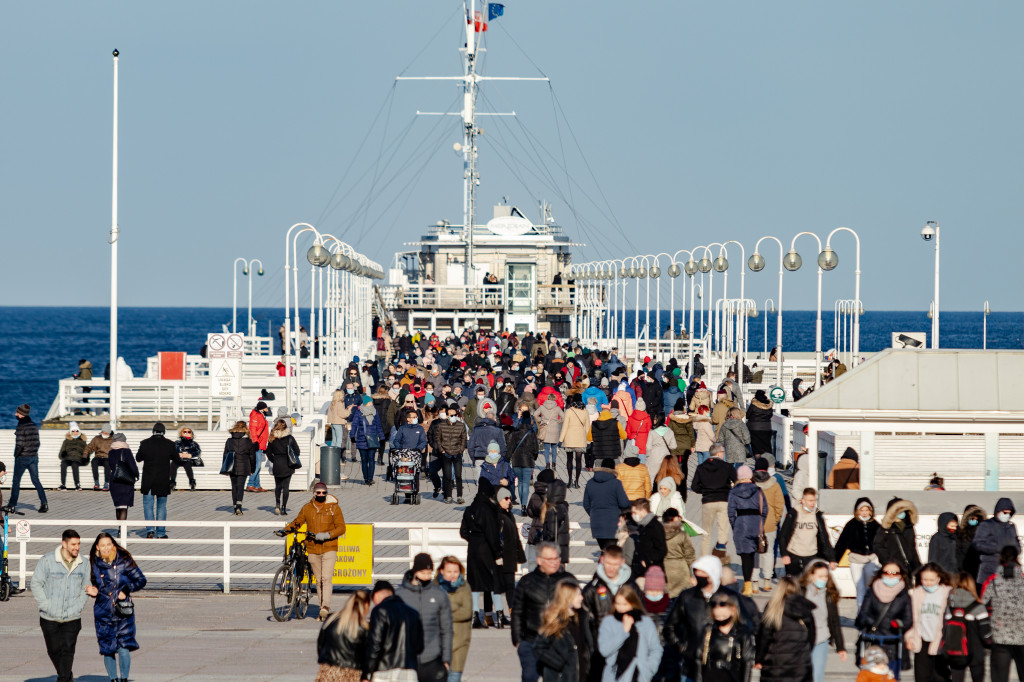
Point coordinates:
[(495, 10), (479, 25)]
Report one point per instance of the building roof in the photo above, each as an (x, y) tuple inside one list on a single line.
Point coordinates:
[(946, 385)]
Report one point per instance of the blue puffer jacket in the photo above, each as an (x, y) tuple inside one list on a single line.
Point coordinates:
[(363, 425), (992, 535), (497, 471), (59, 592), (409, 437), (112, 631), (747, 510)]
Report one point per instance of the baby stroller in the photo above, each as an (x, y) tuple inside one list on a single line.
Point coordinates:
[(405, 466)]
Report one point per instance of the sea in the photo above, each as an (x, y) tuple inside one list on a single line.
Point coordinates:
[(44, 344)]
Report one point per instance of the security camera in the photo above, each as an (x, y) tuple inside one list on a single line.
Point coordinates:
[(928, 232)]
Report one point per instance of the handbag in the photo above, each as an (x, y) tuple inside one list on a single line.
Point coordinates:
[(123, 474), (198, 461), (762, 539), (227, 464), (293, 456), (124, 608), (372, 441)]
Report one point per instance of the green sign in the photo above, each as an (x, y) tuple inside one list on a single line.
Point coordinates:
[(777, 394)]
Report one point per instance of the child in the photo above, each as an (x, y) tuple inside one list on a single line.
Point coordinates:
[(875, 667)]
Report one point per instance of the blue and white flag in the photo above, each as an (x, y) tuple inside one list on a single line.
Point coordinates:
[(495, 10)]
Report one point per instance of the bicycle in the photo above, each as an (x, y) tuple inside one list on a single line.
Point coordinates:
[(6, 587), (290, 590)]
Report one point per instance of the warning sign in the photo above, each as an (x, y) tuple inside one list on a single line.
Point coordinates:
[(225, 354), (23, 530), (355, 555)]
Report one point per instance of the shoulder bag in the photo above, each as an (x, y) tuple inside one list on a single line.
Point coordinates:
[(293, 455), (124, 608), (372, 441), (123, 473), (227, 464)]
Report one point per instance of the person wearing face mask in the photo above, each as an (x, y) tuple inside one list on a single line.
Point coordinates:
[(324, 523), (886, 614), (259, 432), (966, 554), (451, 443), (786, 636), (821, 590), (451, 578), (994, 534), (1003, 594), (896, 540), (804, 536), (338, 414), (928, 601), (99, 448), (856, 543), (421, 594), (942, 545), (727, 646), (628, 640)]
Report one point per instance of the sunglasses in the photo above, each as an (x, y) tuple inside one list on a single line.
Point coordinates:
[(721, 603), (188, 432), (891, 573)]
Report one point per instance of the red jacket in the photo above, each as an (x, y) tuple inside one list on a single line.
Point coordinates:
[(259, 433), (549, 391), (638, 427)]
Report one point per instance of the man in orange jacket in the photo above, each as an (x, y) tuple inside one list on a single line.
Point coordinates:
[(324, 525)]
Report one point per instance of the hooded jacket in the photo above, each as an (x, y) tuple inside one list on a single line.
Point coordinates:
[(858, 537), (704, 433), (759, 415), (747, 509), (845, 475), (650, 548), (395, 639), (681, 426), (320, 517), (896, 540), (604, 499), (277, 451), (556, 518), (635, 478), (522, 445), (484, 431), (435, 612), (942, 546), (73, 449), (773, 495), (679, 556), (549, 421), (575, 424), (638, 428), (99, 446), (966, 552), (733, 434), (991, 537), (366, 421), (785, 653), (113, 631), (259, 430), (607, 435), (481, 530)]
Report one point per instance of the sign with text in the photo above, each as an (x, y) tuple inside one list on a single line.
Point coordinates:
[(354, 565), (224, 352)]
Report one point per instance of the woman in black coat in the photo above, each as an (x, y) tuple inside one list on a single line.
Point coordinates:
[(511, 551), (858, 538), (114, 577), (759, 423), (967, 556), (481, 530), (277, 452), (886, 604), (786, 636), (122, 494), (896, 540), (554, 518), (565, 643), (242, 453)]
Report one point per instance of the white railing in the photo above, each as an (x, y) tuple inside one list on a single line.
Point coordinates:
[(220, 543), (447, 296)]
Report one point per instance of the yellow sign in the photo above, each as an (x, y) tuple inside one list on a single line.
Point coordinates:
[(355, 555)]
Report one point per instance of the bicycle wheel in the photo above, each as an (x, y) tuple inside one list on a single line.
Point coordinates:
[(5, 591), (301, 600), (281, 591)]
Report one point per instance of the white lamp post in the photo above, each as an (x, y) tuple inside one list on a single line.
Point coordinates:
[(828, 260), (769, 308), (928, 233), (792, 262), (742, 325), (114, 234), (246, 270), (756, 263), (289, 246)]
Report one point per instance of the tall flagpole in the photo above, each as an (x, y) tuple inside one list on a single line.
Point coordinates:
[(114, 231)]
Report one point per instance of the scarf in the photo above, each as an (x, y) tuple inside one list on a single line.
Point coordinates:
[(664, 504), (885, 593), (627, 652), (451, 587)]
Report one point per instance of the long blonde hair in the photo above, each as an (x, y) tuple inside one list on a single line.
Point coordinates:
[(354, 615), (559, 611), (773, 612), (338, 397)]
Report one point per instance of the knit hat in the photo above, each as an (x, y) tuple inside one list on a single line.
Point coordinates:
[(120, 438), (382, 586), (73, 426), (546, 476), (24, 410), (421, 562), (493, 447), (640, 404), (761, 464), (107, 428), (503, 494), (631, 450), (159, 429), (608, 463), (667, 482), (761, 396), (647, 358), (282, 413), (367, 399), (261, 406), (654, 579), (744, 473), (604, 382)]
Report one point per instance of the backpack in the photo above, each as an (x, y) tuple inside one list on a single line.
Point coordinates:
[(954, 644)]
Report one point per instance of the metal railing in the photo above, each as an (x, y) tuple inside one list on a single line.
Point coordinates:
[(448, 296), (220, 543)]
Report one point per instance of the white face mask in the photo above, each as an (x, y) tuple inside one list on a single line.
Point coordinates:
[(866, 516), (637, 517), (1003, 516), (413, 420), (771, 471)]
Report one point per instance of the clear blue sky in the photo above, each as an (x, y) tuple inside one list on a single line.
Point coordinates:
[(702, 121)]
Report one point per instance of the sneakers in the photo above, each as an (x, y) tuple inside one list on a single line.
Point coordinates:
[(436, 493), (460, 500), (766, 585), (62, 487), (238, 510), (95, 486), (448, 500), (78, 487), (106, 486), (753, 587), (277, 511), (324, 613)]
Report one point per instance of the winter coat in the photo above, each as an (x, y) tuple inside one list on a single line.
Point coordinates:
[(395, 639), (731, 654), (638, 428), (435, 611), (607, 435), (857, 537), (599, 596), (720, 411), (748, 510), (188, 447), (336, 649), (559, 656), (992, 535), (157, 455), (669, 397), (73, 449), (575, 424), (701, 396), (979, 624), (872, 610), (713, 480), (660, 443), (522, 446), (704, 433), (681, 426), (650, 548), (611, 637), (26, 438), (556, 520), (366, 421), (896, 540), (733, 434), (674, 500), (635, 478), (622, 400), (320, 517), (845, 475), (679, 555), (512, 553), (604, 499), (484, 431), (549, 421), (244, 454), (122, 575), (122, 494), (497, 471), (1004, 597), (775, 499), (259, 430), (481, 530), (942, 546), (59, 592), (277, 453), (460, 599), (409, 437), (759, 416), (785, 653), (99, 446), (534, 591), (824, 551), (452, 438)]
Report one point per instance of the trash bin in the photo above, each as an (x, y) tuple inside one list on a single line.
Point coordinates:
[(330, 464), (822, 469)]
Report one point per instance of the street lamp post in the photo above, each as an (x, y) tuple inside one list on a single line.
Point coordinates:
[(792, 262), (767, 311), (115, 231), (984, 326), (756, 263), (829, 260), (246, 271), (742, 326), (928, 233), (286, 350)]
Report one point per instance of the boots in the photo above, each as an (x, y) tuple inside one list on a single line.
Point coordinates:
[(238, 509), (748, 588)]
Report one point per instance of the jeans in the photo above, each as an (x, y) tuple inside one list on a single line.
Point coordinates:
[(97, 465), (434, 470), (161, 512), (862, 575), (451, 470), (254, 479), (550, 455), (819, 655), (368, 457), (454, 676), (528, 661), (703, 457), (523, 475), (31, 465), (111, 664), (61, 639)]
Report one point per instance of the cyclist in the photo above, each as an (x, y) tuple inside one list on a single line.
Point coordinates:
[(324, 525)]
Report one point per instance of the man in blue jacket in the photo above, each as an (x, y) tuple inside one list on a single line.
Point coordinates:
[(58, 584)]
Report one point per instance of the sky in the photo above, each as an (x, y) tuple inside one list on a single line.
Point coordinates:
[(676, 123)]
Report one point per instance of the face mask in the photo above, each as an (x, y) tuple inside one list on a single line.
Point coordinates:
[(413, 420), (810, 509), (1003, 516), (350, 391), (972, 522), (864, 517), (902, 516), (320, 498), (702, 581), (637, 517), (930, 588), (890, 582), (453, 419), (771, 471), (723, 621), (515, 368), (821, 584)]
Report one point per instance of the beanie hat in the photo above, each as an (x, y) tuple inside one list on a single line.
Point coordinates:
[(640, 404), (608, 463), (493, 447), (761, 464), (107, 428), (120, 437), (546, 476), (503, 494), (382, 586), (421, 562), (24, 409), (604, 382), (320, 485), (73, 426), (261, 406), (368, 399), (647, 358), (760, 395), (744, 473), (654, 579), (159, 428)]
